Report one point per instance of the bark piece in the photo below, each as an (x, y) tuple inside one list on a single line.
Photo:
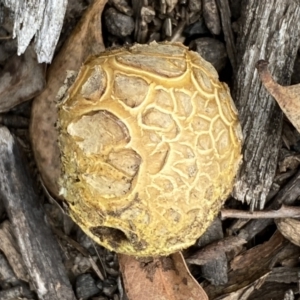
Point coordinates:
[(245, 292), (244, 271), (215, 270), (274, 291), (269, 30), (288, 256), (7, 274), (85, 40), (225, 15), (16, 292), (37, 245), (211, 16), (290, 229), (159, 278), (290, 162), (40, 19), (21, 79), (261, 252), (140, 28), (284, 275), (9, 247)]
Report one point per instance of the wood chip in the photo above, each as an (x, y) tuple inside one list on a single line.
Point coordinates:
[(41, 20), (260, 117), (12, 252), (37, 245), (290, 229)]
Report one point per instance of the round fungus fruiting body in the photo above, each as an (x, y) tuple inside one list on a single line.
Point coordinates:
[(150, 145)]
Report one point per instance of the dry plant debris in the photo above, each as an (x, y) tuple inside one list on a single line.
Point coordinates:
[(261, 117), (163, 278), (38, 19), (85, 40), (288, 97), (37, 246), (290, 229)]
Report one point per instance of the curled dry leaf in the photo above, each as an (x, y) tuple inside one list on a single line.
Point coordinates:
[(288, 97), (85, 40), (161, 278), (290, 229), (21, 79)]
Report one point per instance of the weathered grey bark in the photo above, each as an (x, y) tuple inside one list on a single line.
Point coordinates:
[(41, 19), (37, 245), (269, 30), (10, 249)]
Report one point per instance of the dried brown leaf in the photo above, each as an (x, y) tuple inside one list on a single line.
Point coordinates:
[(84, 41), (290, 229), (161, 278), (288, 97)]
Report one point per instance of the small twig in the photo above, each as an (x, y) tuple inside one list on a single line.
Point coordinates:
[(283, 212), (9, 37), (80, 249), (101, 262), (177, 34), (69, 240)]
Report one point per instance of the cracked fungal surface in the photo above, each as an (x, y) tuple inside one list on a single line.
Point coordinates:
[(150, 144)]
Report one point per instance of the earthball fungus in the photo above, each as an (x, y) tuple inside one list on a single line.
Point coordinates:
[(150, 145)]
